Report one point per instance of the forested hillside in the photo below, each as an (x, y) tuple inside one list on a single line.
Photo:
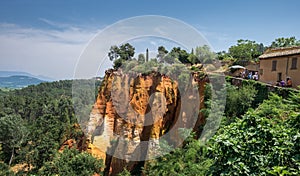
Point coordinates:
[(34, 124), (18, 81), (37, 120)]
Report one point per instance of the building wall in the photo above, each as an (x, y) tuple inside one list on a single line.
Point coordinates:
[(294, 73), (252, 67), (283, 66), (266, 73)]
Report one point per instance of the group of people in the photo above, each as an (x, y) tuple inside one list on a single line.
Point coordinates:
[(287, 83), (249, 75), (246, 74)]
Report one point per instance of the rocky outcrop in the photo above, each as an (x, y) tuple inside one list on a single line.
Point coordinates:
[(133, 113)]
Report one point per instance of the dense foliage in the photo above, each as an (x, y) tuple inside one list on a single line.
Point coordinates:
[(189, 160), (72, 162), (285, 42), (246, 50), (264, 141), (34, 123), (121, 55), (239, 100)]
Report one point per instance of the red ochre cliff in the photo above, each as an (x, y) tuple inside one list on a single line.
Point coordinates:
[(131, 110)]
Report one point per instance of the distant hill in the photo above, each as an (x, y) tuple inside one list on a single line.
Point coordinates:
[(17, 73), (18, 81)]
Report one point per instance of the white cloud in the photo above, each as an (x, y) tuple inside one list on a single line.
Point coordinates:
[(57, 24), (55, 52), (52, 53)]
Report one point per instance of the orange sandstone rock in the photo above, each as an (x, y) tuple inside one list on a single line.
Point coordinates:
[(133, 109)]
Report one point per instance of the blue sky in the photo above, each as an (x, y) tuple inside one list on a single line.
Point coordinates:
[(47, 37)]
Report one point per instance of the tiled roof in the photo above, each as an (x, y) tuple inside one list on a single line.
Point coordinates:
[(276, 52)]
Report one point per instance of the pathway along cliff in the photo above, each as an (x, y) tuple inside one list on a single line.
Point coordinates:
[(132, 113)]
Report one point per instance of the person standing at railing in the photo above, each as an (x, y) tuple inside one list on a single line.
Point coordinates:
[(289, 82)]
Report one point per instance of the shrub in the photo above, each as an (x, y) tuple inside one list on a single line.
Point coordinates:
[(259, 144), (72, 162)]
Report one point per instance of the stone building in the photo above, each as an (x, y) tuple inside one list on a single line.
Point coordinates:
[(279, 64)]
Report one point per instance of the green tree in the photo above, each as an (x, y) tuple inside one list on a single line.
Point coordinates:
[(183, 56), (126, 51), (162, 52), (5, 170), (193, 59), (261, 48), (13, 135), (169, 59), (174, 53), (141, 58), (245, 50), (46, 112), (204, 54), (72, 162), (130, 65), (189, 160), (239, 100), (285, 42), (118, 63), (48, 132), (223, 55), (263, 142), (113, 53), (177, 54), (120, 54)]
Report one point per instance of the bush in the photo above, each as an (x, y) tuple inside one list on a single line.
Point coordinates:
[(72, 162), (259, 144), (4, 170), (189, 160), (239, 100), (118, 63)]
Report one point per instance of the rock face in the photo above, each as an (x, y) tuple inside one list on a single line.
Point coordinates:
[(133, 113)]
